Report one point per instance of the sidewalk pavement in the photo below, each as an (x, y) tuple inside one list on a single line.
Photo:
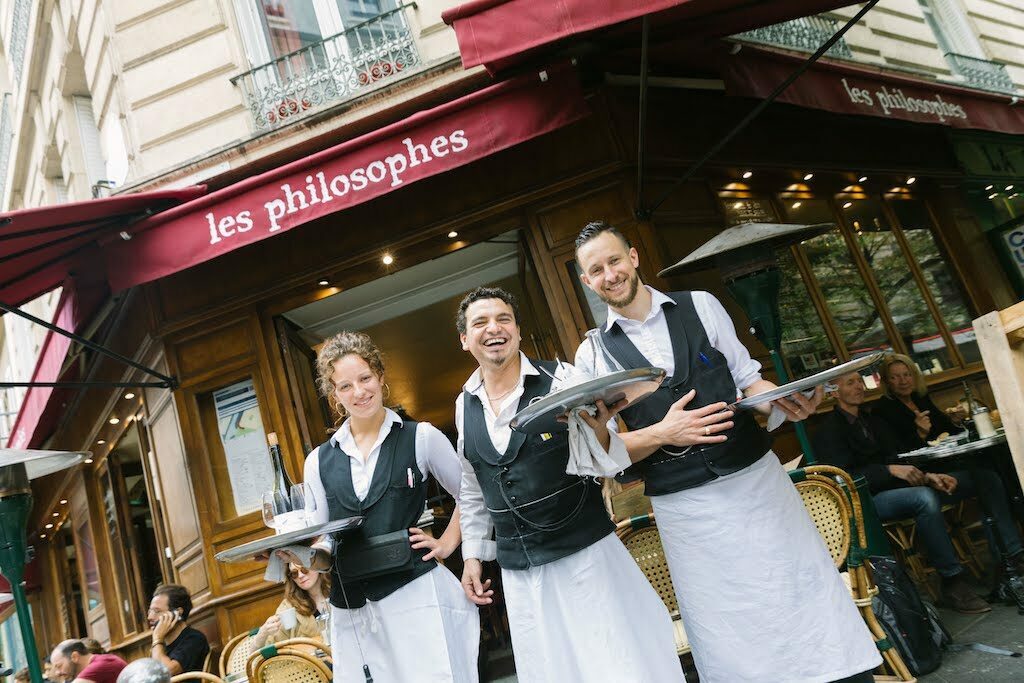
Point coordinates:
[(1002, 628)]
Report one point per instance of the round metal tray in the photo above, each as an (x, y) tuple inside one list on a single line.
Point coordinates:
[(809, 382), (247, 551), (633, 385)]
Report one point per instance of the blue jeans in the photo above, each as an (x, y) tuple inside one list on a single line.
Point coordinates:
[(924, 504)]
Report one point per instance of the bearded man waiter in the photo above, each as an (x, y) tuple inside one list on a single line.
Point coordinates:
[(579, 608), (760, 597)]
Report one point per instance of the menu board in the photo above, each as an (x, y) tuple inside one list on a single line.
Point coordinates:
[(245, 444)]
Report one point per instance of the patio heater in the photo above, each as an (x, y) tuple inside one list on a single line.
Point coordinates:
[(17, 468), (745, 256)]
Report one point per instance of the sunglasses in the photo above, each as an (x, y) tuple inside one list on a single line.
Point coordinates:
[(294, 573)]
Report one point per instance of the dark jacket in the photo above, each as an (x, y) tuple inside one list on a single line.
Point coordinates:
[(859, 445), (899, 421)]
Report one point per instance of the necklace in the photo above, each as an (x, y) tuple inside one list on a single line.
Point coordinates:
[(498, 398)]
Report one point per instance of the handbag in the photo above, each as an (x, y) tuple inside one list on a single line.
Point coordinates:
[(365, 557)]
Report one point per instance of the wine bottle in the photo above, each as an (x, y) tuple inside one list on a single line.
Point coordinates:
[(282, 484)]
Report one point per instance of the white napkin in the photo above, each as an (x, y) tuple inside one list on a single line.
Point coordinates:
[(276, 570), (777, 417)]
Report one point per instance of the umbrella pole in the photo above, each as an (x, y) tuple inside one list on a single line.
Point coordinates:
[(14, 511)]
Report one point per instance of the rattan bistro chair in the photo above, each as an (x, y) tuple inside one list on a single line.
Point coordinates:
[(290, 666), (305, 646), (832, 501), (640, 536), (236, 653)]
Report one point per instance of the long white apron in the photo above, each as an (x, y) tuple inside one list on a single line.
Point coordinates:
[(426, 631), (589, 617), (760, 597)]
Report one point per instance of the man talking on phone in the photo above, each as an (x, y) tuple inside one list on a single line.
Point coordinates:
[(176, 645)]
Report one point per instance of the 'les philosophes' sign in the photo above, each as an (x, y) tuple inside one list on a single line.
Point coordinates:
[(321, 188), (890, 100)]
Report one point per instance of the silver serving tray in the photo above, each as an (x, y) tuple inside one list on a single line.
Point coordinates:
[(540, 417), (247, 551), (809, 382)]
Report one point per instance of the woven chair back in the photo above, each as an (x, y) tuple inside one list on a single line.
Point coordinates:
[(197, 676), (828, 506), (292, 666), (235, 654), (645, 547)]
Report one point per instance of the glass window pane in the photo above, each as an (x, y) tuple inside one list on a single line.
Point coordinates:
[(944, 287), (595, 310), (805, 346), (752, 210), (89, 567), (290, 25), (906, 302), (847, 297)]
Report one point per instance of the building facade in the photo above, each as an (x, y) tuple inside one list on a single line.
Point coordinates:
[(102, 97)]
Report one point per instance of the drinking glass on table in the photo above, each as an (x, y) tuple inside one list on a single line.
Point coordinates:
[(275, 504)]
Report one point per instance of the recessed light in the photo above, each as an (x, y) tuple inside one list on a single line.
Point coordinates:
[(993, 195), (453, 234), (323, 283), (989, 187), (862, 179), (55, 514), (808, 176), (1009, 187), (847, 205), (88, 461), (49, 526), (42, 535), (911, 180), (113, 420), (63, 501), (129, 396), (747, 174), (100, 442), (388, 259), (797, 205)]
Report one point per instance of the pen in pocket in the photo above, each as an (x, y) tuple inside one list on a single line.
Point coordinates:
[(704, 359)]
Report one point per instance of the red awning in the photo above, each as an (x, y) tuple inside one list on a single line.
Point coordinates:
[(420, 146), (847, 89), (40, 246), (497, 32)]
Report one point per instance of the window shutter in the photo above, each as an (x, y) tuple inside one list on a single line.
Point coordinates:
[(95, 166)]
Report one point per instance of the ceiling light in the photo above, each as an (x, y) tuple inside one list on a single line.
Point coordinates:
[(747, 174), (129, 396), (388, 259), (42, 535), (1009, 187), (55, 514), (989, 187), (323, 283), (453, 234), (862, 179), (993, 195), (88, 461), (63, 501), (113, 420), (49, 526), (796, 205), (100, 442), (808, 176), (847, 205), (911, 180)]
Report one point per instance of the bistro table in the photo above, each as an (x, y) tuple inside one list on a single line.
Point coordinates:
[(951, 448)]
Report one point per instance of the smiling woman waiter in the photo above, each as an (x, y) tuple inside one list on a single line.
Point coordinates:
[(410, 622), (760, 597)]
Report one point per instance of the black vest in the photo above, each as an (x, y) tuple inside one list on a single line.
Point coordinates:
[(700, 366), (540, 513), (390, 505)]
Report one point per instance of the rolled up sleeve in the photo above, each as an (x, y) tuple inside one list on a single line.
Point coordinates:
[(722, 335)]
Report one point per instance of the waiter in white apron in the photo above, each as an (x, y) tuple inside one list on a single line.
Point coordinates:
[(760, 597)]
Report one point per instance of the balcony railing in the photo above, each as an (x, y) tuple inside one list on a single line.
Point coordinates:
[(805, 34), (335, 69), (981, 73)]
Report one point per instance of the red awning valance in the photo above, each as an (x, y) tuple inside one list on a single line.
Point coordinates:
[(40, 246), (848, 89), (420, 146), (498, 32)]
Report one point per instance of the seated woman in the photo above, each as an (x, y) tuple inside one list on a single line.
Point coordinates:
[(906, 410), (307, 592)]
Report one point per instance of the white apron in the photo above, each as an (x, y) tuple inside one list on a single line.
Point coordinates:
[(590, 617), (427, 631), (760, 597)]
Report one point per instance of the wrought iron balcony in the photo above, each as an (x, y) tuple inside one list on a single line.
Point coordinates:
[(335, 69), (805, 34), (981, 73)]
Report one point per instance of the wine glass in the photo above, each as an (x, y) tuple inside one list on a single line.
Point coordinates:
[(303, 499), (274, 503)]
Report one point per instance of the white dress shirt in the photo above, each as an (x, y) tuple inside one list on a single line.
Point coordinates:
[(652, 339), (434, 455), (477, 528)]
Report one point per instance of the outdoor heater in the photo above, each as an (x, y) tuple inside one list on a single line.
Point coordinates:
[(745, 256), (17, 469)]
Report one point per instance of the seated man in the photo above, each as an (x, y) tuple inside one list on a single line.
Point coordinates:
[(72, 662), (852, 439), (176, 645)]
